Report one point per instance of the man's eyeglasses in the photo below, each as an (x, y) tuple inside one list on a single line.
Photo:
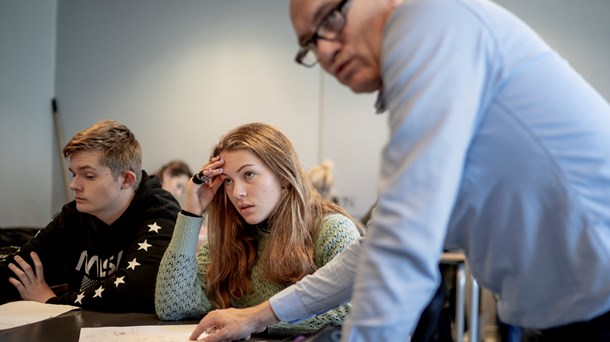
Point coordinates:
[(328, 29)]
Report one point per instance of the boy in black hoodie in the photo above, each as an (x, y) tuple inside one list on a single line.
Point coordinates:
[(107, 244)]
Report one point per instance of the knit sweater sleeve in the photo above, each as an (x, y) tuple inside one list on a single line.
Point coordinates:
[(180, 291), (336, 233)]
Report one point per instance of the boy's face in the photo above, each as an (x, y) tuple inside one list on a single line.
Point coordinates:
[(96, 191)]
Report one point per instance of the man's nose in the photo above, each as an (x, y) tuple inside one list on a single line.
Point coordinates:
[(326, 51)]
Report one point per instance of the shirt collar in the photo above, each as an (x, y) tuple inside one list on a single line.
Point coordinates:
[(380, 103)]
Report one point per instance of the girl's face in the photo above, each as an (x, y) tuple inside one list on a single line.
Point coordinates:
[(250, 184)]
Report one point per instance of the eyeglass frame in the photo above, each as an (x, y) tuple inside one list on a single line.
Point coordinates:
[(311, 42)]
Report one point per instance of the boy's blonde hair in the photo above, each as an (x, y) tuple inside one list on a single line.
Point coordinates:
[(118, 146)]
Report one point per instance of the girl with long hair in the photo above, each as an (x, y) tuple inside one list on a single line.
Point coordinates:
[(268, 228)]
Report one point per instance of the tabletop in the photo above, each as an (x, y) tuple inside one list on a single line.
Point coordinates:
[(66, 327)]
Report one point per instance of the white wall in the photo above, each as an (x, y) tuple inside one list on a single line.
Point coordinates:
[(27, 60), (579, 30), (180, 76), (181, 73)]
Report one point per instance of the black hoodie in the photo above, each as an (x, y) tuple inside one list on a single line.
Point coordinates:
[(106, 267)]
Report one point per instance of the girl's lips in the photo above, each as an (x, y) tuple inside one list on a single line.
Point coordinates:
[(245, 207), (245, 211)]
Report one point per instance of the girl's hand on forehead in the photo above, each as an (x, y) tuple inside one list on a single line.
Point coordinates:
[(203, 186)]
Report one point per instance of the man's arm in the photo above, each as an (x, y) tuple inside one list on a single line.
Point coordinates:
[(333, 238), (316, 293), (434, 71), (330, 286)]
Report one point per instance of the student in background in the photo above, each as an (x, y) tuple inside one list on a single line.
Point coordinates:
[(321, 177), (497, 147), (107, 244), (268, 228), (174, 176)]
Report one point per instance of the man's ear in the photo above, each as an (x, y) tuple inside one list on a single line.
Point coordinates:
[(129, 178)]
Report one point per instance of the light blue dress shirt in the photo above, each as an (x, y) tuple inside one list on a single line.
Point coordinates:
[(499, 148)]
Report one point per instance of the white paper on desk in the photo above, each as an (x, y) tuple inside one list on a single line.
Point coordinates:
[(142, 333), (23, 312)]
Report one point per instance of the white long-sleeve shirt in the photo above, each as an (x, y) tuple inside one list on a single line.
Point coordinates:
[(499, 148)]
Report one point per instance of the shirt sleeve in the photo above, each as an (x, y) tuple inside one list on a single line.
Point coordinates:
[(433, 67), (304, 308), (328, 287), (180, 289)]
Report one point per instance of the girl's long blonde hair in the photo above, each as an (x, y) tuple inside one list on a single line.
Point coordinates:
[(290, 252)]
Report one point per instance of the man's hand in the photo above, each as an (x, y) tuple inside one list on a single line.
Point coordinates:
[(31, 285), (235, 324)]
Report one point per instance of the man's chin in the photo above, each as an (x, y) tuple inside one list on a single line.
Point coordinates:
[(360, 86)]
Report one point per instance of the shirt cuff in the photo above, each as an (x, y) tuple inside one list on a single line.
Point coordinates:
[(287, 306), (188, 213), (186, 233)]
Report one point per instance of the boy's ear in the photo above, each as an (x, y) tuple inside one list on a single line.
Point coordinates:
[(129, 178)]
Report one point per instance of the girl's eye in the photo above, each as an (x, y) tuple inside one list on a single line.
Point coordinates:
[(227, 181), (248, 174)]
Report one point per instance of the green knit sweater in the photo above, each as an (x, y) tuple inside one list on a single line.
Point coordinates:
[(181, 282)]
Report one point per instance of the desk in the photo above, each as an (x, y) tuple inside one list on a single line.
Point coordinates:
[(66, 327)]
